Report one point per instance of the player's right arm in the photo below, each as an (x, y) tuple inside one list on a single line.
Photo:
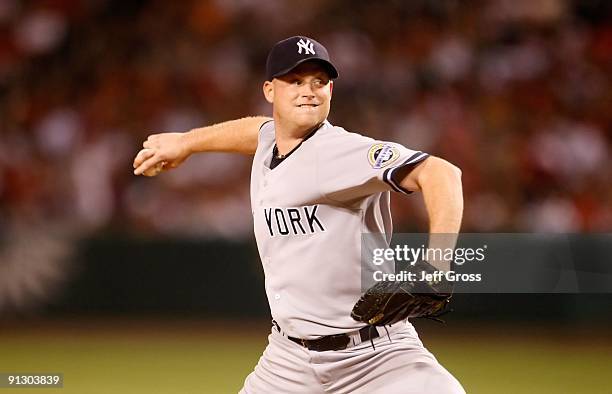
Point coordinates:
[(169, 150)]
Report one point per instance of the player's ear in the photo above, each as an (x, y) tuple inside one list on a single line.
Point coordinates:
[(331, 87), (268, 91)]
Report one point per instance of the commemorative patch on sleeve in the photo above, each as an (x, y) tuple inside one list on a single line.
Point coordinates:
[(382, 155)]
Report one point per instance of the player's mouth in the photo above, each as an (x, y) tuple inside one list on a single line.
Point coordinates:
[(308, 105)]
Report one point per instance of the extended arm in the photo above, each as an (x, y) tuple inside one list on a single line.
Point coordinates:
[(169, 150), (440, 183)]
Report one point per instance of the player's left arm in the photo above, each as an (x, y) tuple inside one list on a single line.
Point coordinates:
[(440, 183)]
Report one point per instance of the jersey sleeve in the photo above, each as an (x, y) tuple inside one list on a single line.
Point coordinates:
[(266, 135), (266, 129), (351, 166)]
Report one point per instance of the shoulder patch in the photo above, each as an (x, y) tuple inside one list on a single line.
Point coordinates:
[(381, 155)]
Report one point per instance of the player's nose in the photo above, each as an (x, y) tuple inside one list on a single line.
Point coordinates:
[(307, 90)]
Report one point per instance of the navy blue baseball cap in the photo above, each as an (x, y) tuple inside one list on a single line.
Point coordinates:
[(287, 54)]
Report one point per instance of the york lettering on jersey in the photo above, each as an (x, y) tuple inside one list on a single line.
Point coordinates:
[(293, 221)]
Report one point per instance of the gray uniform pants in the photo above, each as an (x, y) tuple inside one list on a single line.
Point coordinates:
[(401, 365)]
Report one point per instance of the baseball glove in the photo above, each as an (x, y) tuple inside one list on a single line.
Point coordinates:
[(388, 302)]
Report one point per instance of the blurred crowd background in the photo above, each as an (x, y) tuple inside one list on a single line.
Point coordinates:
[(518, 93), (515, 92)]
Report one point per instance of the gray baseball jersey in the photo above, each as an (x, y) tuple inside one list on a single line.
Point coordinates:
[(309, 213)]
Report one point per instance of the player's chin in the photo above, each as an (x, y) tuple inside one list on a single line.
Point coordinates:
[(309, 118), (308, 123)]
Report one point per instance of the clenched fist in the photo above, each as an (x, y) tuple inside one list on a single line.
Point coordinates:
[(161, 152)]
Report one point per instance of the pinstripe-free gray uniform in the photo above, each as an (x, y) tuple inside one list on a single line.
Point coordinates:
[(309, 212)]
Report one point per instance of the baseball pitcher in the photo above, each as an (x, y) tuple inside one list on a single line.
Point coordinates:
[(315, 188)]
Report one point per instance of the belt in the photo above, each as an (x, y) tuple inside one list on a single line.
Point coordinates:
[(333, 342)]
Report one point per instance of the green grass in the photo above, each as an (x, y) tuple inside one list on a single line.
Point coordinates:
[(181, 358), (528, 366), (115, 365)]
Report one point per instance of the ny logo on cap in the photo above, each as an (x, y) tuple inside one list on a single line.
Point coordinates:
[(307, 46)]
